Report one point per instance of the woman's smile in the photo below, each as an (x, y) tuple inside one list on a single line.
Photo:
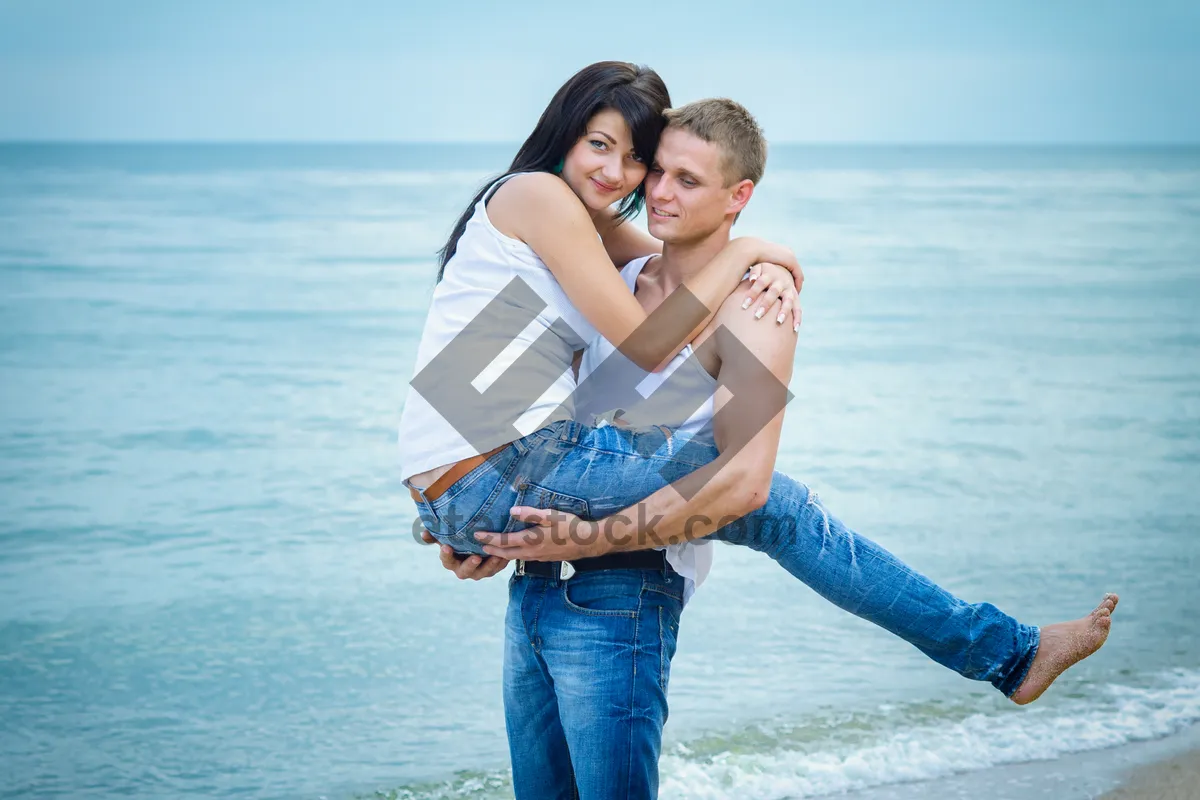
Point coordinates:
[(604, 187)]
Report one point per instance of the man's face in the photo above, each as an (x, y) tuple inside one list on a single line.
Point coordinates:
[(686, 196)]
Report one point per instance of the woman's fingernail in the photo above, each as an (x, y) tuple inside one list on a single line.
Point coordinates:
[(796, 328), (747, 303), (758, 314), (779, 320)]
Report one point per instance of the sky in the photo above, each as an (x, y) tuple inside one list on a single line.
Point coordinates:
[(366, 70)]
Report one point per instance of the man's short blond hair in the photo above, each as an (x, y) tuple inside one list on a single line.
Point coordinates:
[(732, 129)]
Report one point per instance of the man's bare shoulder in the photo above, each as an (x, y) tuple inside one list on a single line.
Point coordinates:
[(773, 343), (731, 315)]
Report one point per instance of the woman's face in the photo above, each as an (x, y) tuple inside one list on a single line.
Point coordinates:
[(601, 168)]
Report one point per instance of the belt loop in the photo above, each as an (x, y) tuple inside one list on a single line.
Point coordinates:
[(418, 492), (418, 496)]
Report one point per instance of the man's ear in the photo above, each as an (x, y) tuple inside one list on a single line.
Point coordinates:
[(740, 196)]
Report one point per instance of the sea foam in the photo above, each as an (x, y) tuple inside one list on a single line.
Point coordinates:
[(905, 748)]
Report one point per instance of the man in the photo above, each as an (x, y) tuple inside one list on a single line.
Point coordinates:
[(587, 660)]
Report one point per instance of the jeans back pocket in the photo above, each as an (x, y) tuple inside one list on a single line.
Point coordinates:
[(531, 495)]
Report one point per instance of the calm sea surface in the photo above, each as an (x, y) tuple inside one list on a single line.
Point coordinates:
[(208, 582)]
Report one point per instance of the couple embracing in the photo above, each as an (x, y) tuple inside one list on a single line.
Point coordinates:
[(597, 405)]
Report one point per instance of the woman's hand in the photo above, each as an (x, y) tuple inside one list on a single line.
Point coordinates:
[(773, 253), (772, 285)]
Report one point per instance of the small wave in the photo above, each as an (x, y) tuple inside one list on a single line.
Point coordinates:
[(186, 439), (908, 746)]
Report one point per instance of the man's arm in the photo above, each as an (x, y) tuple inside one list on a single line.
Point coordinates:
[(756, 362)]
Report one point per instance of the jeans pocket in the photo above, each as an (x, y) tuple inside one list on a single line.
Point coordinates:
[(534, 496), (604, 593)]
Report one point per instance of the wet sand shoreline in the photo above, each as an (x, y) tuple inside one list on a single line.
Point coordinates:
[(1176, 778), (1158, 769)]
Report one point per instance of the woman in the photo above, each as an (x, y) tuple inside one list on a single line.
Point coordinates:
[(471, 459), (526, 262)]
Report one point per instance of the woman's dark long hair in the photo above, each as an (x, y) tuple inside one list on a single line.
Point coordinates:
[(637, 93)]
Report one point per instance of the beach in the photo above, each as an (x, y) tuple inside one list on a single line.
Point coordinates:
[(1177, 778)]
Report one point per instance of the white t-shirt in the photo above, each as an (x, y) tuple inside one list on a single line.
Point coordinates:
[(536, 353)]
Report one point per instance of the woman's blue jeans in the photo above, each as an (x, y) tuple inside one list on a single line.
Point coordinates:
[(596, 472)]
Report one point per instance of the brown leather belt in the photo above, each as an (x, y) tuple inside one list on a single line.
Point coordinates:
[(460, 468)]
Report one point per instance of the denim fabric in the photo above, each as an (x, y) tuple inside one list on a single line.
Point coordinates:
[(976, 640), (595, 472), (586, 665), (478, 501)]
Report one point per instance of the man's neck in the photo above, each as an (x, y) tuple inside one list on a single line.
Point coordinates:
[(682, 260)]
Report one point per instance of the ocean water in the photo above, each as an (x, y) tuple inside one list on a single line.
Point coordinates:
[(208, 581)]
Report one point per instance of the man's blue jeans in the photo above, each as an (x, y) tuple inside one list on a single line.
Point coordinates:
[(586, 663), (596, 472)]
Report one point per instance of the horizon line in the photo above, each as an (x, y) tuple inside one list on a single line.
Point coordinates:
[(469, 143)]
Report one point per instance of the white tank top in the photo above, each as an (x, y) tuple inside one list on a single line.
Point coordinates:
[(483, 265), (661, 406)]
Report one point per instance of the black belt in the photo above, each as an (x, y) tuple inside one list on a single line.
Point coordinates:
[(638, 559)]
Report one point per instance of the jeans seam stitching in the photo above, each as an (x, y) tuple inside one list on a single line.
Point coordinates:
[(662, 652), (633, 698)]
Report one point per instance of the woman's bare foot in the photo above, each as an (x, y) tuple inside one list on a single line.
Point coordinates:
[(1063, 645)]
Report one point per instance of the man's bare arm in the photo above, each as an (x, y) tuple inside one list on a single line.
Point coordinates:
[(757, 361), (739, 480)]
